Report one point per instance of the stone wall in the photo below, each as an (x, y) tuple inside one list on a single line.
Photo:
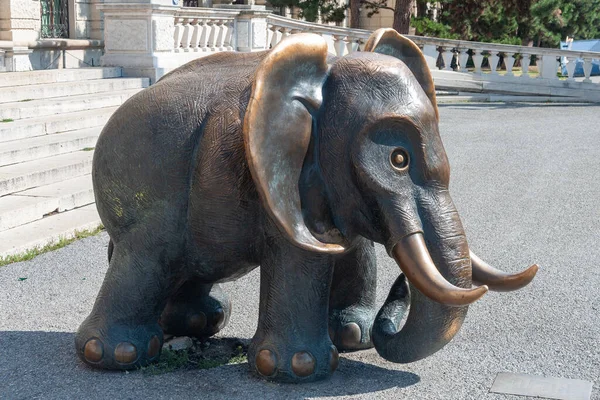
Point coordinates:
[(19, 20), (85, 19)]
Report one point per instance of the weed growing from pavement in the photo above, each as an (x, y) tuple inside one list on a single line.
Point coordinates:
[(88, 148), (25, 100), (7, 120), (211, 354), (36, 251)]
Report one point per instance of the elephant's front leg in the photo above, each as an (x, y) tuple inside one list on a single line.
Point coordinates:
[(291, 343), (352, 307)]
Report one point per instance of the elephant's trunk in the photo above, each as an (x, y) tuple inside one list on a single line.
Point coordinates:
[(430, 325)]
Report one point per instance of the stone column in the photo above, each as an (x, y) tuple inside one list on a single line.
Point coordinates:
[(19, 20), (138, 36), (549, 66), (251, 29)]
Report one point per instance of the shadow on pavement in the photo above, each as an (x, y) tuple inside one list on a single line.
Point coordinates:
[(44, 365)]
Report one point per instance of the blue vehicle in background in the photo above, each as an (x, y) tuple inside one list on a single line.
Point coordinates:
[(581, 45)]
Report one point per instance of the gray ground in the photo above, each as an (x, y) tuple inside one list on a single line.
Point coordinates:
[(526, 181)]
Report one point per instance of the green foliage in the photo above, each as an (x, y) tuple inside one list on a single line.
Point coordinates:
[(426, 27), (526, 22), (329, 10)]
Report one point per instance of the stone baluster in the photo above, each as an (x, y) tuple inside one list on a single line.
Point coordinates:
[(477, 60), (571, 64), (447, 55), (195, 34), (276, 36), (463, 59), (525, 61), (509, 62), (353, 44), (220, 35), (285, 32), (339, 45), (212, 35), (204, 32), (178, 33), (587, 69), (228, 43), (493, 59), (187, 35)]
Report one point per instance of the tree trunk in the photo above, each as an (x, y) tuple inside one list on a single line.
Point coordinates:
[(402, 16), (354, 13)]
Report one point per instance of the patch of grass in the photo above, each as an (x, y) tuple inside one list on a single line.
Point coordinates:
[(88, 148), (7, 120), (36, 251), (211, 354), (169, 361)]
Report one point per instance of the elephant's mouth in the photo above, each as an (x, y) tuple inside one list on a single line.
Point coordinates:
[(414, 260)]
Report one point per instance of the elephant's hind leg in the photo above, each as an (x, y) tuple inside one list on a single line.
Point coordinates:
[(122, 331), (352, 306), (197, 309)]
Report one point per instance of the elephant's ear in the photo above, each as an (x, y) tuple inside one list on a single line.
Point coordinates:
[(278, 126), (389, 42)]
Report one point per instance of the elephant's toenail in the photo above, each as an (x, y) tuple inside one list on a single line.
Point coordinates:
[(197, 322), (153, 346), (125, 353), (303, 364), (334, 358), (93, 350), (266, 362), (350, 335)]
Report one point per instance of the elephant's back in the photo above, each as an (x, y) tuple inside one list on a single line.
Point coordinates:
[(147, 153)]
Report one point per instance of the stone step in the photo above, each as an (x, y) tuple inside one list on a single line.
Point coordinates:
[(30, 205), (24, 93), (32, 127), (18, 177), (48, 230), (38, 108), (57, 75), (48, 145)]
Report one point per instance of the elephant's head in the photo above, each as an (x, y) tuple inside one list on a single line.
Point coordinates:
[(359, 135)]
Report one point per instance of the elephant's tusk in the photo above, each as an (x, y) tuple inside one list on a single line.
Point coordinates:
[(498, 280), (414, 260)]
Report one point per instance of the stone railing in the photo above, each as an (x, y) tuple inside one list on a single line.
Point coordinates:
[(204, 30), (150, 39), (449, 55), (49, 54)]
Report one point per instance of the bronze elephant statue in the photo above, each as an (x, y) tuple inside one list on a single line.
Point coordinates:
[(295, 161)]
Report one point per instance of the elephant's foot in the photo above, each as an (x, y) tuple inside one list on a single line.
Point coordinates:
[(285, 361), (197, 310), (350, 329), (117, 346)]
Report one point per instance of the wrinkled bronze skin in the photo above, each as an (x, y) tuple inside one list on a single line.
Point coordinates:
[(295, 161)]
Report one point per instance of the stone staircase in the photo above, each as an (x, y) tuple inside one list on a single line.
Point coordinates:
[(49, 123)]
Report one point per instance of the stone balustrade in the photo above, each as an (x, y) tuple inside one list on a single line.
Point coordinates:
[(204, 30), (152, 37), (450, 55)]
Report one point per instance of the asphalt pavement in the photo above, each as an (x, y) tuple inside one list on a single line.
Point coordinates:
[(526, 181)]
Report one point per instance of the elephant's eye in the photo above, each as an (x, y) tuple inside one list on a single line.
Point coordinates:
[(399, 159)]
